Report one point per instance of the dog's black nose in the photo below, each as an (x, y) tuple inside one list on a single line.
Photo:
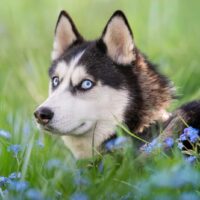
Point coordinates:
[(43, 115)]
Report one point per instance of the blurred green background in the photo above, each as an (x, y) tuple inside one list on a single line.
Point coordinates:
[(167, 31)]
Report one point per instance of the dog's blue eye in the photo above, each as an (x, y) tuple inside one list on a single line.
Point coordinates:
[(55, 81), (86, 85)]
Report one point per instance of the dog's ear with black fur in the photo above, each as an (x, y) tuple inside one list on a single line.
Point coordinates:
[(118, 38), (66, 34)]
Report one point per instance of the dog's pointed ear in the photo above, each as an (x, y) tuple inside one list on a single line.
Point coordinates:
[(66, 34), (118, 38)]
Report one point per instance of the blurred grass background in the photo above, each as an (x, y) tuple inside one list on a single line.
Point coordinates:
[(167, 31)]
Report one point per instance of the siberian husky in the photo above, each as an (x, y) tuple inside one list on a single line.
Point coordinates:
[(95, 85)]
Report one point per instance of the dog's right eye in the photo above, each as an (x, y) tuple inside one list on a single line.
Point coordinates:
[(55, 81)]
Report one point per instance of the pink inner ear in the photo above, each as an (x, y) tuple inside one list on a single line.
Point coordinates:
[(65, 35), (119, 41)]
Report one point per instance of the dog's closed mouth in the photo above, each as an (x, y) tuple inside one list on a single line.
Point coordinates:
[(74, 129), (50, 128)]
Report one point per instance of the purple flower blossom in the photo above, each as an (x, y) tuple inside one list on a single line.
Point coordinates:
[(15, 149), (189, 134), (5, 134), (3, 181), (115, 143), (191, 159), (120, 140), (18, 186), (192, 134), (169, 142), (155, 144), (183, 137), (109, 145)]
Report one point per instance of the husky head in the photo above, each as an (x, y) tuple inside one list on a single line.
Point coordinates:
[(92, 84)]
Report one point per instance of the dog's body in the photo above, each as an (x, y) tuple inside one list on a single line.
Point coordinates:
[(97, 84)]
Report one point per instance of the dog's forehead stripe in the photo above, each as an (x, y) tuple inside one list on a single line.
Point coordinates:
[(66, 71), (62, 67)]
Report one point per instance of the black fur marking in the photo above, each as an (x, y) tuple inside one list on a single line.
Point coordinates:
[(192, 111), (101, 67), (132, 113), (101, 46)]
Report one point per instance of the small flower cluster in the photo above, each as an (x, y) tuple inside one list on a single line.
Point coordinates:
[(115, 143), (189, 134), (152, 146), (156, 145), (189, 143), (190, 137), (12, 183)]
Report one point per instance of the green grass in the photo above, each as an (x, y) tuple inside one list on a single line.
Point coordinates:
[(167, 31)]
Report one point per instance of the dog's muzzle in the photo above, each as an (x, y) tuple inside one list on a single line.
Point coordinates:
[(43, 115)]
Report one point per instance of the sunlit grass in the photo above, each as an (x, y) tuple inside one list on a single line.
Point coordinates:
[(168, 32)]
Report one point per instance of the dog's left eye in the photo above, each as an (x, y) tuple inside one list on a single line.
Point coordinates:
[(86, 84), (55, 81)]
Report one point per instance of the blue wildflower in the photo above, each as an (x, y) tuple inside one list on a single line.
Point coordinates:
[(110, 145), (192, 134), (155, 144), (5, 134), (120, 140), (3, 181), (15, 149), (115, 143), (15, 175), (191, 159), (34, 194), (18, 186), (169, 142), (183, 137)]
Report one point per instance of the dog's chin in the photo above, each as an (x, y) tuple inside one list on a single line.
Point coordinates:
[(81, 129)]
